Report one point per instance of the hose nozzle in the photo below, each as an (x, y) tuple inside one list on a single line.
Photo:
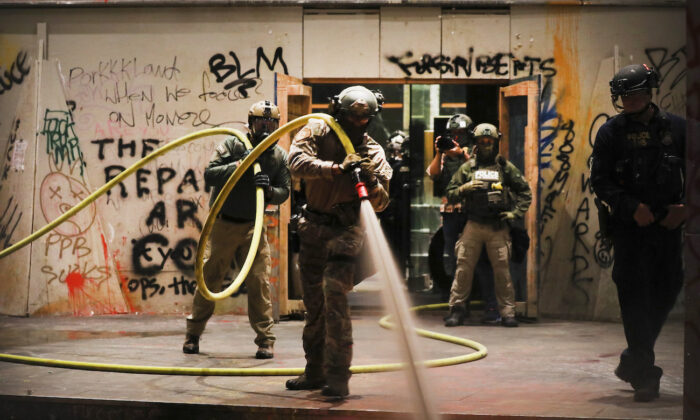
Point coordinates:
[(359, 185)]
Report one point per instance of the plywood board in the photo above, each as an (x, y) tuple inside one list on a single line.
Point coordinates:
[(341, 44), (475, 46), (408, 34)]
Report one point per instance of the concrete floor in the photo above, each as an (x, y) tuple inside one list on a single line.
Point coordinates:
[(548, 369)]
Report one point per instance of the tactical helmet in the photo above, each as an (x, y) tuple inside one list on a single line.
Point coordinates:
[(486, 130), (398, 143), (263, 119), (398, 137), (357, 101), (633, 79), (459, 122), (486, 152)]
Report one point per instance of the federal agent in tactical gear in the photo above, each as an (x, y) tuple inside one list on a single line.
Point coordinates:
[(233, 228), (485, 185), (330, 234), (263, 119), (637, 174)]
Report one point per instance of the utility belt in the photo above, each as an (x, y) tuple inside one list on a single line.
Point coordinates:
[(344, 215), (233, 219)]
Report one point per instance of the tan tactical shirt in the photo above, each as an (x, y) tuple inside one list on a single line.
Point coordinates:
[(313, 152)]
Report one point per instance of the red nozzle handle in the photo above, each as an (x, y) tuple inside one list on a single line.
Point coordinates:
[(362, 191)]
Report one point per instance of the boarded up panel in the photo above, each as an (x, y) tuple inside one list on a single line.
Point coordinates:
[(132, 98), (16, 193), (70, 272), (129, 98), (338, 44), (476, 46), (407, 35)]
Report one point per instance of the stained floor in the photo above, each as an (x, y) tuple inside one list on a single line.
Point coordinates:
[(548, 369)]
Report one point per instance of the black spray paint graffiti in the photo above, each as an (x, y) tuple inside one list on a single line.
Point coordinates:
[(497, 64), (9, 219), (672, 70), (12, 139), (15, 75), (61, 141), (560, 179), (233, 76), (580, 250), (143, 178), (150, 253), (150, 286), (116, 69)]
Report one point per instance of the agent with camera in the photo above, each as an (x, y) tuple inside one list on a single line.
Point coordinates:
[(451, 151)]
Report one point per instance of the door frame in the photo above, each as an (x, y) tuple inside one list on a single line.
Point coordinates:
[(531, 90)]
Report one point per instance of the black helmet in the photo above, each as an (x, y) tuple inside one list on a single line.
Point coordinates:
[(459, 122), (633, 79), (358, 101)]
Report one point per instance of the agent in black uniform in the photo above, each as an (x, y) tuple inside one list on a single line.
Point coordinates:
[(637, 174)]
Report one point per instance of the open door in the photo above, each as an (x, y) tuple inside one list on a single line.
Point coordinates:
[(518, 108), (294, 100)]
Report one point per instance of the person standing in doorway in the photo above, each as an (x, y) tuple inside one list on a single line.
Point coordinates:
[(484, 185), (451, 151)]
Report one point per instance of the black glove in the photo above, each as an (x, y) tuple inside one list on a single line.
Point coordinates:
[(263, 181)]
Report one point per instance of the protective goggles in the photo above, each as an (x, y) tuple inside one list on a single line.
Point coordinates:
[(264, 125), (485, 141)]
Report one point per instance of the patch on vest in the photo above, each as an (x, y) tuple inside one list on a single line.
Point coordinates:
[(641, 139), (486, 175)]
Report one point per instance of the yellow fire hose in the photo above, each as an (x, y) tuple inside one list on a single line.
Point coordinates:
[(481, 350)]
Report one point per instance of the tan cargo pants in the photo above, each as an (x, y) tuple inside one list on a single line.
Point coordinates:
[(230, 242), (468, 248)]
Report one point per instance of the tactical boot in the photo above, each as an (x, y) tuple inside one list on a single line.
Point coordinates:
[(338, 391), (191, 345), (509, 321), (265, 352), (624, 373), (648, 388), (304, 383), (456, 316)]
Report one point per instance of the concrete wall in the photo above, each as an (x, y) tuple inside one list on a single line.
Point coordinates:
[(142, 77)]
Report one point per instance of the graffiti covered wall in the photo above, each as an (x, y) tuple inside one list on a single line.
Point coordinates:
[(149, 76), (119, 92), (575, 261)]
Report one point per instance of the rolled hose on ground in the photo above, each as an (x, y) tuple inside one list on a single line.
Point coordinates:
[(480, 353), (206, 231)]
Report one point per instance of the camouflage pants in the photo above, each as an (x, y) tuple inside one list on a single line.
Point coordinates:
[(230, 242), (468, 250), (327, 264)]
